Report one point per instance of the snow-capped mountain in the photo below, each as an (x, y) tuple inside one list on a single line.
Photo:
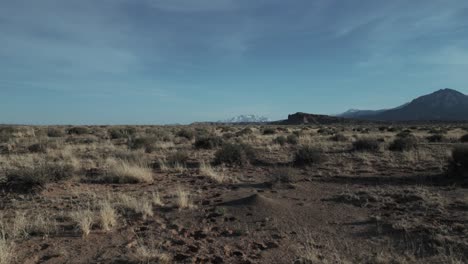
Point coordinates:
[(246, 119)]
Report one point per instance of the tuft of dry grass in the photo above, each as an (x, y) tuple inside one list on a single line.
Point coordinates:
[(84, 220), (6, 251), (179, 167), (183, 199), (121, 171), (20, 226), (141, 206), (151, 254), (108, 215), (207, 170), (157, 199)]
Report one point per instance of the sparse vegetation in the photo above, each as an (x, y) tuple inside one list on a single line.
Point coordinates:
[(435, 138), (84, 220), (292, 139), (235, 154), (78, 131), (120, 171), (208, 142), (403, 144), (459, 162), (464, 138), (186, 133), (339, 138), (269, 131), (119, 185), (307, 155), (366, 144), (184, 199)]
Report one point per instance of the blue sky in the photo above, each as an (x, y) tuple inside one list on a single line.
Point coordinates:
[(178, 61)]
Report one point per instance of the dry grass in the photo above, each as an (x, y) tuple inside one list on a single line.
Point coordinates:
[(121, 171), (20, 226), (180, 168), (84, 220), (163, 165), (151, 253), (207, 170), (142, 205), (6, 251), (183, 199), (157, 199), (108, 215)]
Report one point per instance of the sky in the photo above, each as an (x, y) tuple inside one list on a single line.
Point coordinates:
[(180, 61)]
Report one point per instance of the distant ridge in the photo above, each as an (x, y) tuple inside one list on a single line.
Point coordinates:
[(300, 118), (442, 105)]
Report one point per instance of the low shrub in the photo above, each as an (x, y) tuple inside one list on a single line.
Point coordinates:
[(80, 130), (366, 144), (281, 140), (36, 176), (404, 143), (208, 142), (177, 158), (269, 131), (435, 138), (307, 155), (339, 138), (140, 142), (459, 163), (464, 138), (123, 132), (245, 131), (186, 133), (235, 154), (55, 132), (404, 133), (292, 139), (38, 148)]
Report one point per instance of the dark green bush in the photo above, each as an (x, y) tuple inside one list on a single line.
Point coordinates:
[(186, 133), (292, 139), (80, 130), (404, 143), (208, 142), (235, 154), (307, 156), (366, 144)]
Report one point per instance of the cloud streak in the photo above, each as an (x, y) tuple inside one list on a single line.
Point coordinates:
[(177, 50)]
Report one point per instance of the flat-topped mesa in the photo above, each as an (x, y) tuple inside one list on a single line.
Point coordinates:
[(304, 118)]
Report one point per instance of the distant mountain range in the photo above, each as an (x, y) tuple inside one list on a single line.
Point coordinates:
[(443, 105), (246, 119)]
